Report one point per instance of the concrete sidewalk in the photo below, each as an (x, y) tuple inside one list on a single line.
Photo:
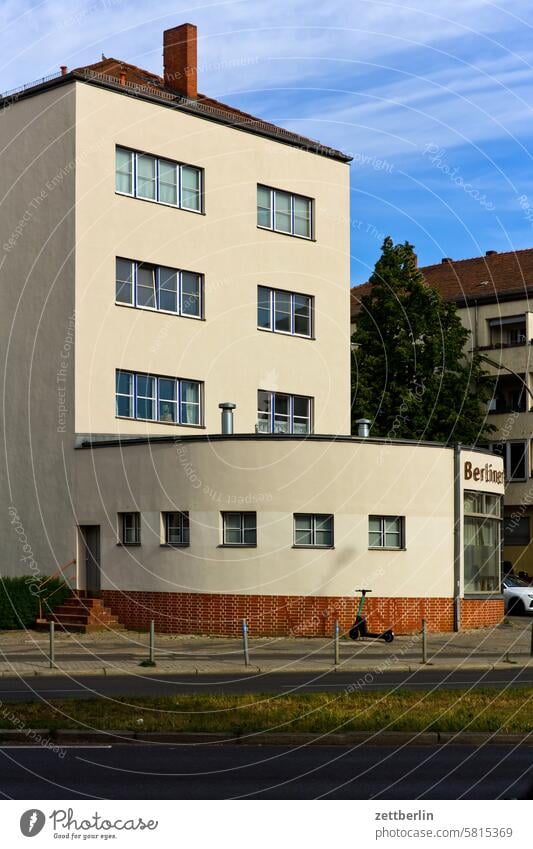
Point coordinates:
[(121, 652)]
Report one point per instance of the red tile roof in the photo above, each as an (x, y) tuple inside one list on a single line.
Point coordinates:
[(155, 84), (497, 276)]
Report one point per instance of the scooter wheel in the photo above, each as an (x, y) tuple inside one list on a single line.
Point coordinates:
[(353, 633), (388, 636)]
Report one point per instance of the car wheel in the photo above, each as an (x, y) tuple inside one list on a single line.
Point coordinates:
[(516, 607)]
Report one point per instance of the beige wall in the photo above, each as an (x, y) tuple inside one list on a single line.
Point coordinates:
[(37, 158), (226, 351), (350, 479)]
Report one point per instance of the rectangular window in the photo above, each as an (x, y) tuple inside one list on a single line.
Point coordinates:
[(284, 312), (162, 180), (124, 282), (124, 171), (162, 399), (176, 526), (284, 212), (313, 529), (124, 394), (386, 532), (279, 413), (482, 554), (159, 288), (516, 530), (130, 528), (239, 529), (515, 458)]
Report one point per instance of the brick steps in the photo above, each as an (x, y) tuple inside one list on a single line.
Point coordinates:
[(82, 615)]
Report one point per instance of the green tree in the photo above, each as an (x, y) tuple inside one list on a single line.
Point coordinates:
[(413, 375)]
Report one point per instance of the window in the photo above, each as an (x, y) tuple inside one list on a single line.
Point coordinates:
[(130, 528), (482, 520), (284, 212), (159, 288), (516, 530), (162, 180), (277, 413), (176, 525), (284, 312), (515, 455), (507, 331), (386, 532), (239, 528), (162, 399), (313, 530)]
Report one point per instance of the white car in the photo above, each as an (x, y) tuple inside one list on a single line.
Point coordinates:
[(517, 595)]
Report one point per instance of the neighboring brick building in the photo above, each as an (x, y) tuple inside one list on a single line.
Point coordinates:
[(493, 293)]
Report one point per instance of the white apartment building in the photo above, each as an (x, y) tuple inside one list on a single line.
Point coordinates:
[(163, 254)]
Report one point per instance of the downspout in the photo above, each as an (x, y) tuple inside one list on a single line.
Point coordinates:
[(457, 509)]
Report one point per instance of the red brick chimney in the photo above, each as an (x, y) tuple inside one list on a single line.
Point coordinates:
[(180, 60)]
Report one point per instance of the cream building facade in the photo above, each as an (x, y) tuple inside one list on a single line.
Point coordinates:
[(163, 254)]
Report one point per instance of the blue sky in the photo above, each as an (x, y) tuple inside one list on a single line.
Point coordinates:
[(434, 100)]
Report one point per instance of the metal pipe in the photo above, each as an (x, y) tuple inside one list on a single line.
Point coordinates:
[(227, 408), (457, 558), (363, 428), (52, 645), (337, 652)]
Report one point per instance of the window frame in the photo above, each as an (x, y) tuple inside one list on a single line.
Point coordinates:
[(506, 457), (292, 196), (272, 295), (272, 413), (122, 518), (241, 514), (157, 269), (158, 159), (314, 517), (134, 375), (184, 525), (382, 532)]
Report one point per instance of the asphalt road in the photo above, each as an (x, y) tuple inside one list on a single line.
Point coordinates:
[(266, 772), (63, 686)]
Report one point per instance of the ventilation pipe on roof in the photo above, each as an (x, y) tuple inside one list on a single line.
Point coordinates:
[(122, 77), (227, 416), (446, 259), (490, 253), (63, 69), (363, 428)]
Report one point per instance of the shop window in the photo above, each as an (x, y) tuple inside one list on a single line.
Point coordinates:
[(482, 521)]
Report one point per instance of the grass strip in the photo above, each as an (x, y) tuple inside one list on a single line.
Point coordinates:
[(444, 710)]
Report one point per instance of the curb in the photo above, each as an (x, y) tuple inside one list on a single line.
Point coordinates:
[(375, 669), (66, 736)]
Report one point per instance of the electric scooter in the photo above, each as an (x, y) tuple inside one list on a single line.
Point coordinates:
[(360, 628)]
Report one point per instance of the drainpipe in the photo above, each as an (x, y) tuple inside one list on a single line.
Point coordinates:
[(227, 416), (457, 509)]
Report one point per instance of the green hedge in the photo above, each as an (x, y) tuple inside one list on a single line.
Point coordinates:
[(19, 600)]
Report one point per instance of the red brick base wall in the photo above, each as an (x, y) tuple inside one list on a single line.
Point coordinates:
[(205, 613)]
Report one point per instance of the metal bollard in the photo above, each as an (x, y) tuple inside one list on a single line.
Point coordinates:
[(52, 645), (424, 641), (336, 643), (152, 642), (531, 646), (245, 643)]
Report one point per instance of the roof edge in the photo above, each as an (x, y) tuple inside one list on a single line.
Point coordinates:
[(192, 107)]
